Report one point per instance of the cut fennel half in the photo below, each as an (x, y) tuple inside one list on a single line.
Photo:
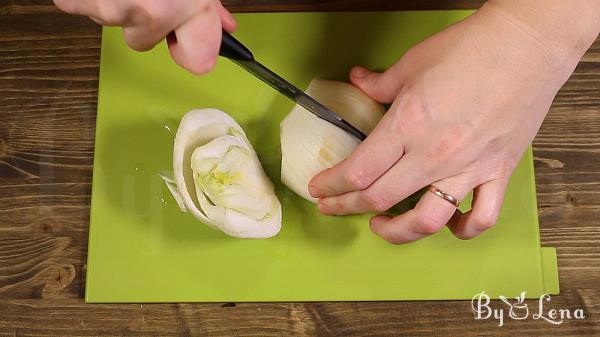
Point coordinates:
[(218, 178), (310, 144)]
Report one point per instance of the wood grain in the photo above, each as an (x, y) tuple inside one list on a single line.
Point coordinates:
[(48, 93)]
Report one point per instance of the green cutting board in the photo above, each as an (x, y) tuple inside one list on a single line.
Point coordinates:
[(143, 249)]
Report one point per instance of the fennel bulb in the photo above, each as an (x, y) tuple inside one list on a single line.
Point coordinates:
[(310, 144), (219, 179)]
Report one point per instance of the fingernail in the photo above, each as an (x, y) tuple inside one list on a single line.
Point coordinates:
[(323, 207), (313, 191), (377, 220)]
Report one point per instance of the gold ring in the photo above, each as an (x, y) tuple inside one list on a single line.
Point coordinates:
[(443, 195)]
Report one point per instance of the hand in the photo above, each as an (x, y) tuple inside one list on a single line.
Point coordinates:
[(193, 27), (466, 104)]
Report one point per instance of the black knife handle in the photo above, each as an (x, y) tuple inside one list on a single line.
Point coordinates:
[(234, 49)]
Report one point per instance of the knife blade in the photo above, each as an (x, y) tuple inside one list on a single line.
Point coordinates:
[(234, 50)]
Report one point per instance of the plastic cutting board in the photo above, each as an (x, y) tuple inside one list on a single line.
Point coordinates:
[(142, 249)]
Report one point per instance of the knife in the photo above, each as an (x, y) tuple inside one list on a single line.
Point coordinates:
[(234, 50)]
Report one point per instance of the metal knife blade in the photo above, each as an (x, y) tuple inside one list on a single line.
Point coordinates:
[(299, 96), (238, 53)]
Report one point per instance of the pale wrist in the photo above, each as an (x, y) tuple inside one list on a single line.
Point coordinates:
[(566, 29)]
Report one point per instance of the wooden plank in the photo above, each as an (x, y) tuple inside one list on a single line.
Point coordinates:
[(72, 317)]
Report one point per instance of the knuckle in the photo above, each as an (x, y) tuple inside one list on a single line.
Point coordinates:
[(138, 47), (133, 41), (109, 14), (502, 170), (412, 114), (449, 143), (427, 224), (151, 16), (204, 5), (375, 201), (133, 45), (357, 178)]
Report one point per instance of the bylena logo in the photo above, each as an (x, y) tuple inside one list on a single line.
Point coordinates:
[(519, 310)]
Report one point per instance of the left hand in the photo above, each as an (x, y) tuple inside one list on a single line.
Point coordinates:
[(466, 104)]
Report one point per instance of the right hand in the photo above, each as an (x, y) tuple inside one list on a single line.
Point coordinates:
[(192, 27)]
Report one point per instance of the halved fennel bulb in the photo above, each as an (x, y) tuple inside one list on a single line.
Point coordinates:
[(310, 144), (219, 179)]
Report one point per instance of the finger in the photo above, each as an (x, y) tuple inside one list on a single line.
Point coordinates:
[(485, 208), (395, 185), (99, 21), (196, 43), (81, 7), (148, 26), (145, 35), (375, 155), (227, 19), (429, 216), (382, 87), (141, 39)]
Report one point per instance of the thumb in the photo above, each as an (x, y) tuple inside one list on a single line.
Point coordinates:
[(382, 87)]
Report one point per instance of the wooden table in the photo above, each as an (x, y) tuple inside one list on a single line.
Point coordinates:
[(48, 92)]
